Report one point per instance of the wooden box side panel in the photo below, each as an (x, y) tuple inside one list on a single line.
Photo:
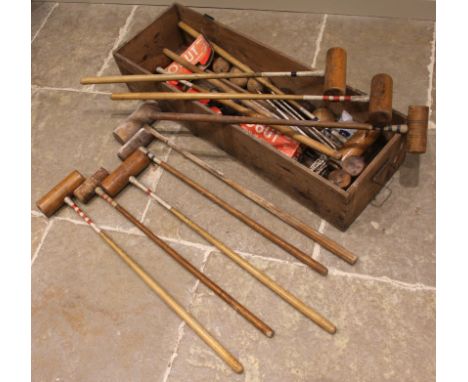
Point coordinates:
[(145, 49), (375, 176)]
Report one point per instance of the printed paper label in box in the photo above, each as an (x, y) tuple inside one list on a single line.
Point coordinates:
[(281, 142), (197, 53)]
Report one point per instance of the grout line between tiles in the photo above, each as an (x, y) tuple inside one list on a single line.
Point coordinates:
[(384, 279), (73, 90), (181, 329), (122, 33), (157, 177), (430, 69), (44, 235), (318, 42), (44, 22), (209, 249)]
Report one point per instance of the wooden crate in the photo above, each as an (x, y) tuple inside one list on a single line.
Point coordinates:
[(143, 54)]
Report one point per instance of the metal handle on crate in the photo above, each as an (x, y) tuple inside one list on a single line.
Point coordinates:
[(390, 162), (377, 178)]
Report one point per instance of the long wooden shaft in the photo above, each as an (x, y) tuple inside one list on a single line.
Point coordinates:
[(237, 96), (234, 119), (286, 130), (291, 249), (212, 342), (244, 264), (192, 76), (187, 265), (320, 238), (234, 61)]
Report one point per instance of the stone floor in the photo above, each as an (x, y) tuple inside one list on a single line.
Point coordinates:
[(93, 320)]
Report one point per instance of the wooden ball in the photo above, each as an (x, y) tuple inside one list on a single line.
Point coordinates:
[(242, 82), (254, 86), (340, 178), (220, 65), (325, 115)]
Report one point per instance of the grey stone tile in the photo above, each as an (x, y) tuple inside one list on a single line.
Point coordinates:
[(217, 221), (287, 30), (75, 42), (397, 239), (401, 48), (39, 12), (433, 96), (95, 320), (294, 34), (38, 226), (142, 17), (384, 333), (74, 131)]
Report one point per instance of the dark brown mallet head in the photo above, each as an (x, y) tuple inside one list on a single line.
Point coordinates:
[(141, 138), (54, 199), (418, 121), (142, 115), (118, 179), (340, 178), (380, 100), (85, 191), (335, 72)]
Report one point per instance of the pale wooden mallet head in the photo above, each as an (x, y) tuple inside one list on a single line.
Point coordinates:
[(335, 72), (417, 122), (54, 199)]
